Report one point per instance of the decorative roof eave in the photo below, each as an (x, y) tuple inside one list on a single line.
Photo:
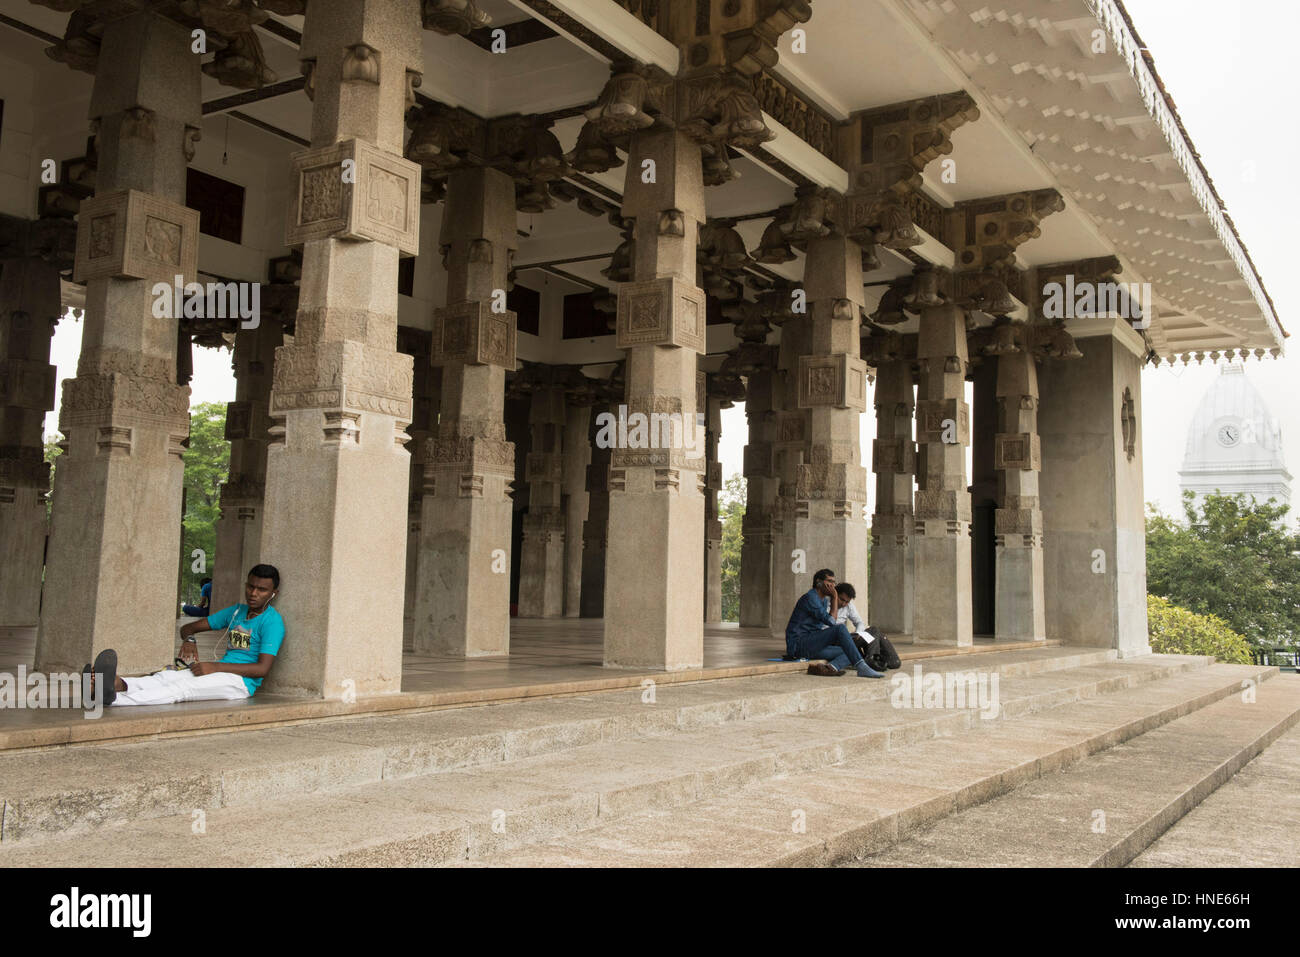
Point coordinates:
[(1115, 19)]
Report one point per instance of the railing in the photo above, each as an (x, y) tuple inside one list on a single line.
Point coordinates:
[(1288, 659)]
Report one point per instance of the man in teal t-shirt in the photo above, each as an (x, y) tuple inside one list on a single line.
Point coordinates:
[(254, 632)]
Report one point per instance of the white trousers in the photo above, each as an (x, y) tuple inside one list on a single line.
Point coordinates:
[(172, 687)]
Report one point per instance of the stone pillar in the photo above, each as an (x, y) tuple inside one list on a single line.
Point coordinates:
[(712, 523), (760, 496), (115, 531), (831, 491), (426, 385), (577, 454), (983, 493), (596, 526), (893, 459), (29, 311), (1094, 553), (942, 611), (791, 574), (541, 576), (337, 467), (464, 599), (1018, 523), (239, 530), (654, 582)]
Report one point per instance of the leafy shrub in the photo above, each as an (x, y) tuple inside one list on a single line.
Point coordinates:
[(1177, 631)]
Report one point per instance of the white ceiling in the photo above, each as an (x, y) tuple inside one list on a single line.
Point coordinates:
[(1050, 117)]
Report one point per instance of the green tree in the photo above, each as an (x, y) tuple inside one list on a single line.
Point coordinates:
[(1233, 558), (207, 461), (52, 452), (731, 509), (1177, 631)]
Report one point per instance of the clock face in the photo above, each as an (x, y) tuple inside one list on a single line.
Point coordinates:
[(1229, 435)]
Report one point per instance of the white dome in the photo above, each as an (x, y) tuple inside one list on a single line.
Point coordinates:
[(1234, 443)]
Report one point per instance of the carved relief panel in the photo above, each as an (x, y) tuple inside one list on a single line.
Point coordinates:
[(354, 190), (127, 234)]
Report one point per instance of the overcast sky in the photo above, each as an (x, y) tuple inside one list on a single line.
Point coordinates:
[(1228, 68)]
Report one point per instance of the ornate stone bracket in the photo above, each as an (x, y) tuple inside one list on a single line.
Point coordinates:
[(985, 233), (885, 151), (238, 61), (453, 16), (444, 139)]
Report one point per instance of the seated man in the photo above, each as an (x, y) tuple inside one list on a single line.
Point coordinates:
[(872, 643), (205, 601), (846, 611), (254, 631), (813, 633)]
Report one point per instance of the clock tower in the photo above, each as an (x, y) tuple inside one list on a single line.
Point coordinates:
[(1234, 444)]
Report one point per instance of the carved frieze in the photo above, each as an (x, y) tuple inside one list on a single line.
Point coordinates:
[(458, 450), (796, 113), (102, 399), (127, 234), (676, 459), (342, 374), (354, 190), (837, 481), (942, 503), (1018, 521)]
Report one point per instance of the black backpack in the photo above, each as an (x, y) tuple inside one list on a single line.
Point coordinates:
[(879, 651)]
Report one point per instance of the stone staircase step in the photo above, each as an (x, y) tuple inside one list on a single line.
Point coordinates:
[(70, 789), (1250, 820), (869, 802), (1105, 811), (466, 814)]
